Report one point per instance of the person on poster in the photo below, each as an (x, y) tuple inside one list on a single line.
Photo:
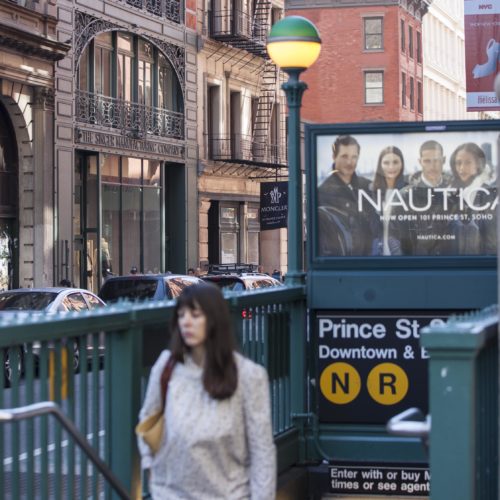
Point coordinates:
[(474, 223), (344, 229), (419, 221), (389, 176)]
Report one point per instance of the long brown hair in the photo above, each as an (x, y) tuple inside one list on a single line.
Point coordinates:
[(220, 375)]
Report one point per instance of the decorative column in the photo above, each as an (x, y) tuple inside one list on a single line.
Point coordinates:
[(43, 187)]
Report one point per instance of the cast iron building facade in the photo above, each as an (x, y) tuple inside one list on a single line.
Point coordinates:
[(30, 49), (125, 139), (241, 132), (370, 67)]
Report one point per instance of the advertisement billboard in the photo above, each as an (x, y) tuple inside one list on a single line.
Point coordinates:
[(482, 53), (413, 190)]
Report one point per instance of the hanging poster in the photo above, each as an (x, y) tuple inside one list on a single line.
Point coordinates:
[(273, 205), (482, 52)]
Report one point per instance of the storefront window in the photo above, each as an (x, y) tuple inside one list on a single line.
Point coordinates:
[(229, 248), (131, 171), (131, 213), (111, 229), (131, 230), (253, 248), (152, 230)]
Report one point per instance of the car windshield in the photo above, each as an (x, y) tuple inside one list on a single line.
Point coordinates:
[(135, 289), (21, 301)]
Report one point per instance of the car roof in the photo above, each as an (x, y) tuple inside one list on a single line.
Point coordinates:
[(51, 289), (148, 276)]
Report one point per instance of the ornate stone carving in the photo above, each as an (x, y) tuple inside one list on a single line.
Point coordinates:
[(44, 98)]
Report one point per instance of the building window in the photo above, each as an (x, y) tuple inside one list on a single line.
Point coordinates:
[(131, 211), (403, 89), (403, 39), (412, 93), (117, 69), (374, 87), (419, 97), (374, 35), (419, 47), (410, 41)]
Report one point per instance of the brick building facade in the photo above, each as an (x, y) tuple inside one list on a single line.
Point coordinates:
[(356, 78)]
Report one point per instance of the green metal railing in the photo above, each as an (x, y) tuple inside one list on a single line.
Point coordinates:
[(463, 391), (101, 392)]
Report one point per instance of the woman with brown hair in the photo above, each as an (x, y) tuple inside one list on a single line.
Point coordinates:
[(217, 441), (389, 176)]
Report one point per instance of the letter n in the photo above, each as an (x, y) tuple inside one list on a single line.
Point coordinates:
[(343, 385)]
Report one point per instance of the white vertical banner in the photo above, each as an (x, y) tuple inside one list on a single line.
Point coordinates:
[(482, 53)]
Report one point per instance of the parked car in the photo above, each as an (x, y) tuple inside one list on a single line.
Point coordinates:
[(148, 287), (145, 286), (48, 300), (242, 281)]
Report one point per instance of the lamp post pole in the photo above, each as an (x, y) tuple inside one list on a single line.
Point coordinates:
[(294, 89), (294, 44)]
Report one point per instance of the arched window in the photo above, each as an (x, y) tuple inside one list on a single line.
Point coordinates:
[(125, 82)]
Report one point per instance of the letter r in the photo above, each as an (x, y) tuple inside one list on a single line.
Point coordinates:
[(387, 380)]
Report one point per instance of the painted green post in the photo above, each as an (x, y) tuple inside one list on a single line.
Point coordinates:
[(294, 90), (124, 399), (463, 393), (294, 45)]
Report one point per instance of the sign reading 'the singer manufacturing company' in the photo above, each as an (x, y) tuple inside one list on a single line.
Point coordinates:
[(273, 205)]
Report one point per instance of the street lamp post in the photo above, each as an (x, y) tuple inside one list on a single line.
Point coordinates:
[(294, 45)]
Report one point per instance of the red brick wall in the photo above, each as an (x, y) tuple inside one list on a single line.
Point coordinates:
[(336, 81), (191, 14)]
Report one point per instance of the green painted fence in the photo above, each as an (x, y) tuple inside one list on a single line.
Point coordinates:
[(463, 389), (95, 366)]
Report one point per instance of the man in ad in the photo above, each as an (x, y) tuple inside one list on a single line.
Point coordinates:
[(423, 231), (343, 229)]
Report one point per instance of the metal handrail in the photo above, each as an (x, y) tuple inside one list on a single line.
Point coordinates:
[(403, 424), (46, 407)]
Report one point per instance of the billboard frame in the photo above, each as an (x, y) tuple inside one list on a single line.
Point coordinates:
[(317, 262)]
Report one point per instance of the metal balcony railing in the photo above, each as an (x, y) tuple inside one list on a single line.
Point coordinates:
[(239, 148), (239, 29), (170, 9), (137, 120)]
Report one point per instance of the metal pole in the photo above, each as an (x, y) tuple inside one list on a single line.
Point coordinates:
[(294, 89)]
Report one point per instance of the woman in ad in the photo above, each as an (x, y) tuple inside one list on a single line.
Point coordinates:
[(388, 177)]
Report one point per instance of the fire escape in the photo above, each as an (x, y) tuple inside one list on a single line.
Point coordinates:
[(266, 147)]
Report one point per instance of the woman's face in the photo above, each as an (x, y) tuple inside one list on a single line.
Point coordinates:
[(466, 165), (192, 326), (391, 165)]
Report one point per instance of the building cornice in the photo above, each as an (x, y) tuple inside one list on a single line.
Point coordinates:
[(418, 8), (32, 44)]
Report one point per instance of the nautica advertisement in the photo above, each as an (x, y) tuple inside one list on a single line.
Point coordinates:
[(407, 194)]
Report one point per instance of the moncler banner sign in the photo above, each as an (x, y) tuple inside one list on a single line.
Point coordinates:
[(273, 205)]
